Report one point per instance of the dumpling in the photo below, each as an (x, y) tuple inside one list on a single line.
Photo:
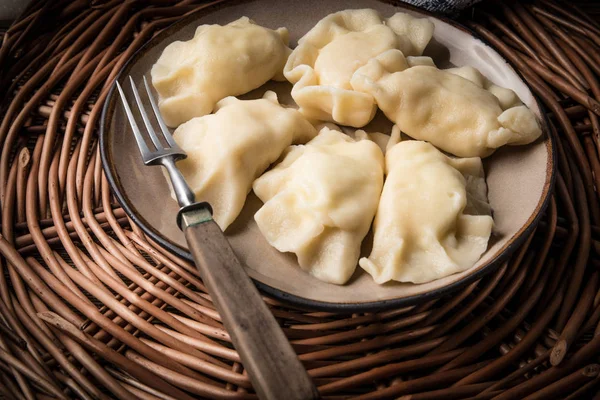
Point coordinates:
[(229, 149), (458, 110), (322, 65), (219, 61), (433, 218), (320, 201)]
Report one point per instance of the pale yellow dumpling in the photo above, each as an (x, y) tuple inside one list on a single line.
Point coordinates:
[(433, 219), (457, 110), (229, 149), (320, 201), (322, 65), (219, 61)]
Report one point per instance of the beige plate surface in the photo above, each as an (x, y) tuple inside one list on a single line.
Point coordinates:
[(519, 178)]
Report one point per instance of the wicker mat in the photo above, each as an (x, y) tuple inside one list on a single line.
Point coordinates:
[(92, 309)]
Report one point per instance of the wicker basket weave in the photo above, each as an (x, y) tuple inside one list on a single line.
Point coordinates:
[(92, 309)]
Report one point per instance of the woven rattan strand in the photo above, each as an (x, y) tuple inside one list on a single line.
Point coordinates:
[(92, 309)]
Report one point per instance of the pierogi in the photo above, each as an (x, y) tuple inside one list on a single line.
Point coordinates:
[(320, 201), (433, 219), (430, 213), (229, 149), (457, 110), (322, 65), (219, 61)]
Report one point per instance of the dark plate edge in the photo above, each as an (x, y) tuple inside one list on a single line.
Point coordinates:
[(302, 302)]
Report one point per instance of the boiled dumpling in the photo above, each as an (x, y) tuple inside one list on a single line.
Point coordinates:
[(219, 61), (322, 65), (433, 217), (458, 110), (320, 201), (229, 149)]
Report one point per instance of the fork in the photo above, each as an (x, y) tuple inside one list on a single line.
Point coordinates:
[(273, 367)]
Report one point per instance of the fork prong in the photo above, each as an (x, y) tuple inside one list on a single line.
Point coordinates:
[(136, 131), (149, 128), (161, 122)]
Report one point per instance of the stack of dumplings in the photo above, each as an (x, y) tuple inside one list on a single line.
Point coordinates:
[(322, 65), (322, 189)]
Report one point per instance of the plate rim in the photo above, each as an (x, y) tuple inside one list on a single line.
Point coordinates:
[(507, 250)]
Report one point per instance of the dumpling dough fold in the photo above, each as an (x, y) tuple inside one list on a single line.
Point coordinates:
[(433, 218), (457, 110), (320, 201), (219, 61), (326, 57), (229, 149)]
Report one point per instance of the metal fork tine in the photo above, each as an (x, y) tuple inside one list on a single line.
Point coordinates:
[(149, 128), (136, 131), (163, 126)]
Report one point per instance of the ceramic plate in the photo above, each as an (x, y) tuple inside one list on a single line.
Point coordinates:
[(519, 178)]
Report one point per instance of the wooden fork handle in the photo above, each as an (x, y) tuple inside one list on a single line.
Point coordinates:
[(272, 364)]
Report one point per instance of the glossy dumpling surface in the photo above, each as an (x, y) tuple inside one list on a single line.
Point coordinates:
[(219, 61), (320, 201), (322, 65), (229, 149), (433, 218), (457, 110)]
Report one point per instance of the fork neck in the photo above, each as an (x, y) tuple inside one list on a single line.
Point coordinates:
[(184, 194)]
